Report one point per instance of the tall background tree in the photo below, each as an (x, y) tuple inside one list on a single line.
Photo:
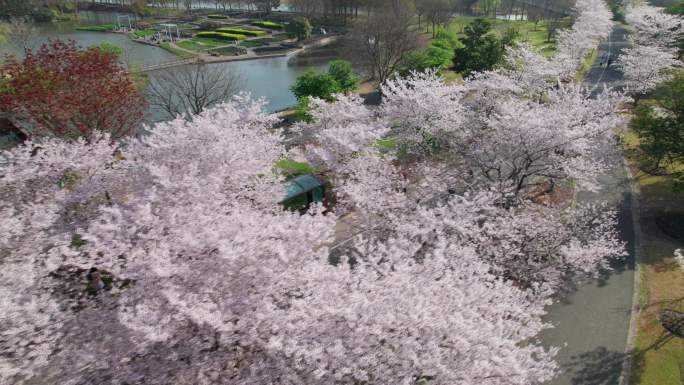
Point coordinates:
[(299, 27), (379, 41), (66, 91), (481, 50)]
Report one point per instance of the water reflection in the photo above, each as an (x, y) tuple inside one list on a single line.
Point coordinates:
[(268, 78)]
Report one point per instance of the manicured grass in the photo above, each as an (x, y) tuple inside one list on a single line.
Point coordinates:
[(198, 44), (291, 168), (268, 24), (97, 28), (242, 31), (270, 50), (386, 144), (142, 33), (174, 50), (220, 35), (251, 43), (657, 358)]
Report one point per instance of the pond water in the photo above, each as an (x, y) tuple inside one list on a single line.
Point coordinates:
[(268, 78)]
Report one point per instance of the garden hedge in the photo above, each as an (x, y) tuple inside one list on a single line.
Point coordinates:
[(268, 24), (221, 36), (241, 31), (218, 16), (229, 51)]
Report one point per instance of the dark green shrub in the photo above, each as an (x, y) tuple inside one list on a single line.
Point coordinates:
[(343, 73), (270, 50), (658, 124), (251, 43), (218, 16), (299, 27), (481, 49), (302, 110), (318, 85), (210, 25)]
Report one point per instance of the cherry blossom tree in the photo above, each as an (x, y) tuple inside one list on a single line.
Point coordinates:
[(644, 66), (169, 258), (530, 69), (653, 54), (505, 145), (495, 136), (592, 24), (653, 26)]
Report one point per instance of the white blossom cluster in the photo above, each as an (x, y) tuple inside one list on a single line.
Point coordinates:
[(167, 259), (593, 23), (653, 54)]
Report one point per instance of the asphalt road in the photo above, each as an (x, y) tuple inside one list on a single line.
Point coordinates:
[(592, 320)]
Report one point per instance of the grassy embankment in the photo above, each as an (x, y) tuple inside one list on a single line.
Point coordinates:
[(585, 67), (528, 32), (659, 357), (178, 52)]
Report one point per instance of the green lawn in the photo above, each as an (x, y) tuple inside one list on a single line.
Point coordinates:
[(291, 168), (586, 65), (97, 28), (142, 33), (657, 357), (200, 44), (528, 32), (251, 43), (175, 50)]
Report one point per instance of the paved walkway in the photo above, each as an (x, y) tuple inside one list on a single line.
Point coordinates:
[(592, 321)]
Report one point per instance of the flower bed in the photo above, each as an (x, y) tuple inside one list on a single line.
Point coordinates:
[(220, 36), (242, 31), (268, 24)]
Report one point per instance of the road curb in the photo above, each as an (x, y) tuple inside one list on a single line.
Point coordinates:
[(635, 194)]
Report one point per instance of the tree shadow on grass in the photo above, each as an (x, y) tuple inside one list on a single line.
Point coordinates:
[(596, 367), (604, 367), (639, 357)]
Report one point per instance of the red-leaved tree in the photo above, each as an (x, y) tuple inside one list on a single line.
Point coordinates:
[(66, 91)]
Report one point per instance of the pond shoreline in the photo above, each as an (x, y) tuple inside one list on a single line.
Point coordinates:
[(205, 58)]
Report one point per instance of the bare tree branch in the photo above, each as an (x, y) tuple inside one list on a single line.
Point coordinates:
[(191, 89)]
